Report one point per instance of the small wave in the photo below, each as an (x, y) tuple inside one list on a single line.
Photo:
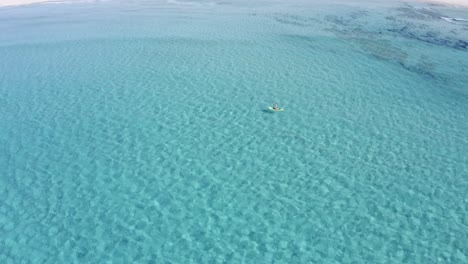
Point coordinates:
[(453, 20)]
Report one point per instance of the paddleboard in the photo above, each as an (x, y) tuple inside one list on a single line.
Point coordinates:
[(276, 110)]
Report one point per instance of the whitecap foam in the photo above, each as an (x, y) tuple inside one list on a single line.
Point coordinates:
[(453, 20)]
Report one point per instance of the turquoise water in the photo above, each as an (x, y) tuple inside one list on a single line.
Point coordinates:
[(138, 132)]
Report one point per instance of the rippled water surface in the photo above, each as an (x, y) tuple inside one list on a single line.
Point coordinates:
[(139, 132)]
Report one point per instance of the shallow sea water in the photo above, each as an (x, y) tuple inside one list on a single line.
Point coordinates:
[(138, 132)]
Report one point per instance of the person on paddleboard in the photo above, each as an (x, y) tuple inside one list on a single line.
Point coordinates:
[(275, 106)]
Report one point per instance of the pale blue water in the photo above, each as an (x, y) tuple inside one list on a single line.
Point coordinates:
[(138, 132)]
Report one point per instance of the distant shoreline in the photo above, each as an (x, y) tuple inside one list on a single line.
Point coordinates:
[(5, 3), (463, 3), (21, 2)]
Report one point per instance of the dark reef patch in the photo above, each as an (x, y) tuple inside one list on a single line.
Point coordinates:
[(383, 50), (461, 44), (295, 20), (417, 13), (424, 67), (389, 37), (359, 14), (373, 41), (430, 36)]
